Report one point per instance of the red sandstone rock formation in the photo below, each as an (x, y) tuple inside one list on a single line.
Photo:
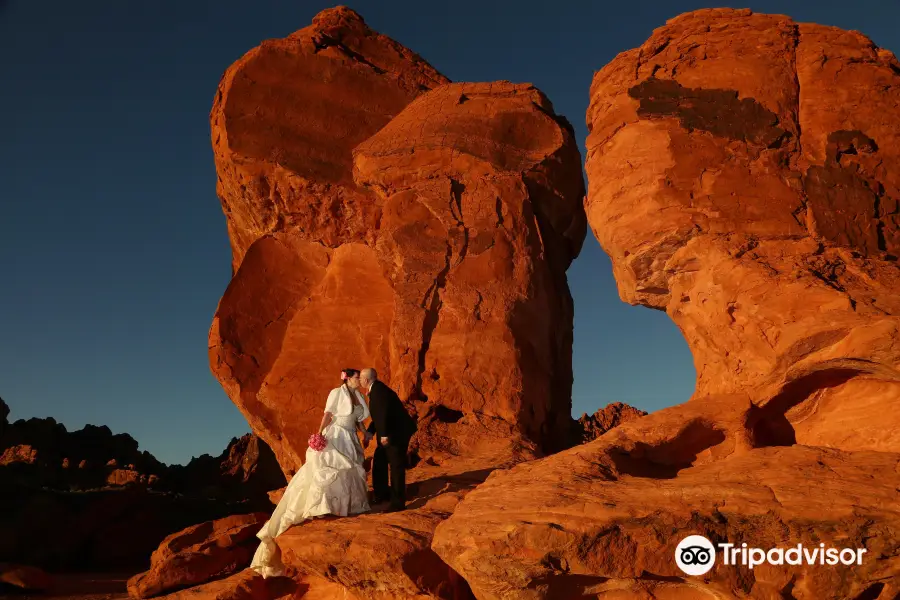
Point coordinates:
[(429, 241), (310, 298), (480, 220), (199, 554), (432, 245), (767, 154), (744, 174), (287, 116), (275, 495), (604, 519), (392, 549), (590, 427)]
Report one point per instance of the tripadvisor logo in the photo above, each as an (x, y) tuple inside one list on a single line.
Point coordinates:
[(696, 555)]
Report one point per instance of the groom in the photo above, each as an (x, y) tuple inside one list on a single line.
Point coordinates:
[(393, 427)]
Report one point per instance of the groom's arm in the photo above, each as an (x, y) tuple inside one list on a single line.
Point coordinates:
[(378, 410)]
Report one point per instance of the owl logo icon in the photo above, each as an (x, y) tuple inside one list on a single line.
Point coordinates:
[(695, 555)]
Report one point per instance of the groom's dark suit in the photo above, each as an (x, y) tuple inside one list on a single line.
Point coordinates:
[(390, 420)]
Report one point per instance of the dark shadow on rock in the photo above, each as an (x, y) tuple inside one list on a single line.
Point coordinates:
[(769, 425), (281, 587), (720, 112), (433, 575), (563, 586), (665, 460), (873, 592), (421, 492)]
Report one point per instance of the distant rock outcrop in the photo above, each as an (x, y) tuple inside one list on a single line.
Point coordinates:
[(41, 452), (246, 470), (590, 427), (112, 504)]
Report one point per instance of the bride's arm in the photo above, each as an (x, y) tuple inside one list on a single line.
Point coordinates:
[(326, 421)]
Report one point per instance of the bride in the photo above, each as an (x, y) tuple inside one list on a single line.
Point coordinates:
[(332, 481)]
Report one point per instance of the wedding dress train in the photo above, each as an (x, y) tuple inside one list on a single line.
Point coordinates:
[(332, 481)]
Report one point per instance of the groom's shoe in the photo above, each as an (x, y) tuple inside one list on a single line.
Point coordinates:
[(395, 508)]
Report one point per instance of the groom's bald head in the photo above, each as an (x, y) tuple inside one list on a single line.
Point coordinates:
[(369, 374)]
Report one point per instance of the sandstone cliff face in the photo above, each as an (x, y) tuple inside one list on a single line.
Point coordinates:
[(310, 298), (428, 237), (375, 223), (481, 218), (743, 176), (287, 116)]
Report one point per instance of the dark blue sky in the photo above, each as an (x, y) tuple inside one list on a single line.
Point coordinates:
[(113, 248)]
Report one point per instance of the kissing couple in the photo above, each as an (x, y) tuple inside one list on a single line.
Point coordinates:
[(332, 481)]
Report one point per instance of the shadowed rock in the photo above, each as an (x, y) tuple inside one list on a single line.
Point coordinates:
[(199, 554)]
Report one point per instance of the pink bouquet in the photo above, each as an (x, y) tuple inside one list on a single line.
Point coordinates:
[(317, 442)]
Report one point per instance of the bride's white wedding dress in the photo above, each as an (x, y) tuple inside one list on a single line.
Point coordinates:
[(331, 482)]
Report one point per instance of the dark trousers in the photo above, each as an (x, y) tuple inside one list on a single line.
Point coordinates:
[(390, 458)]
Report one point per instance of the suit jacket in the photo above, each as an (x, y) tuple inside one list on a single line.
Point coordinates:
[(389, 418)]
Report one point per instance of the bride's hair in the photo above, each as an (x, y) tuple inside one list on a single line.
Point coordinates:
[(348, 373)]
